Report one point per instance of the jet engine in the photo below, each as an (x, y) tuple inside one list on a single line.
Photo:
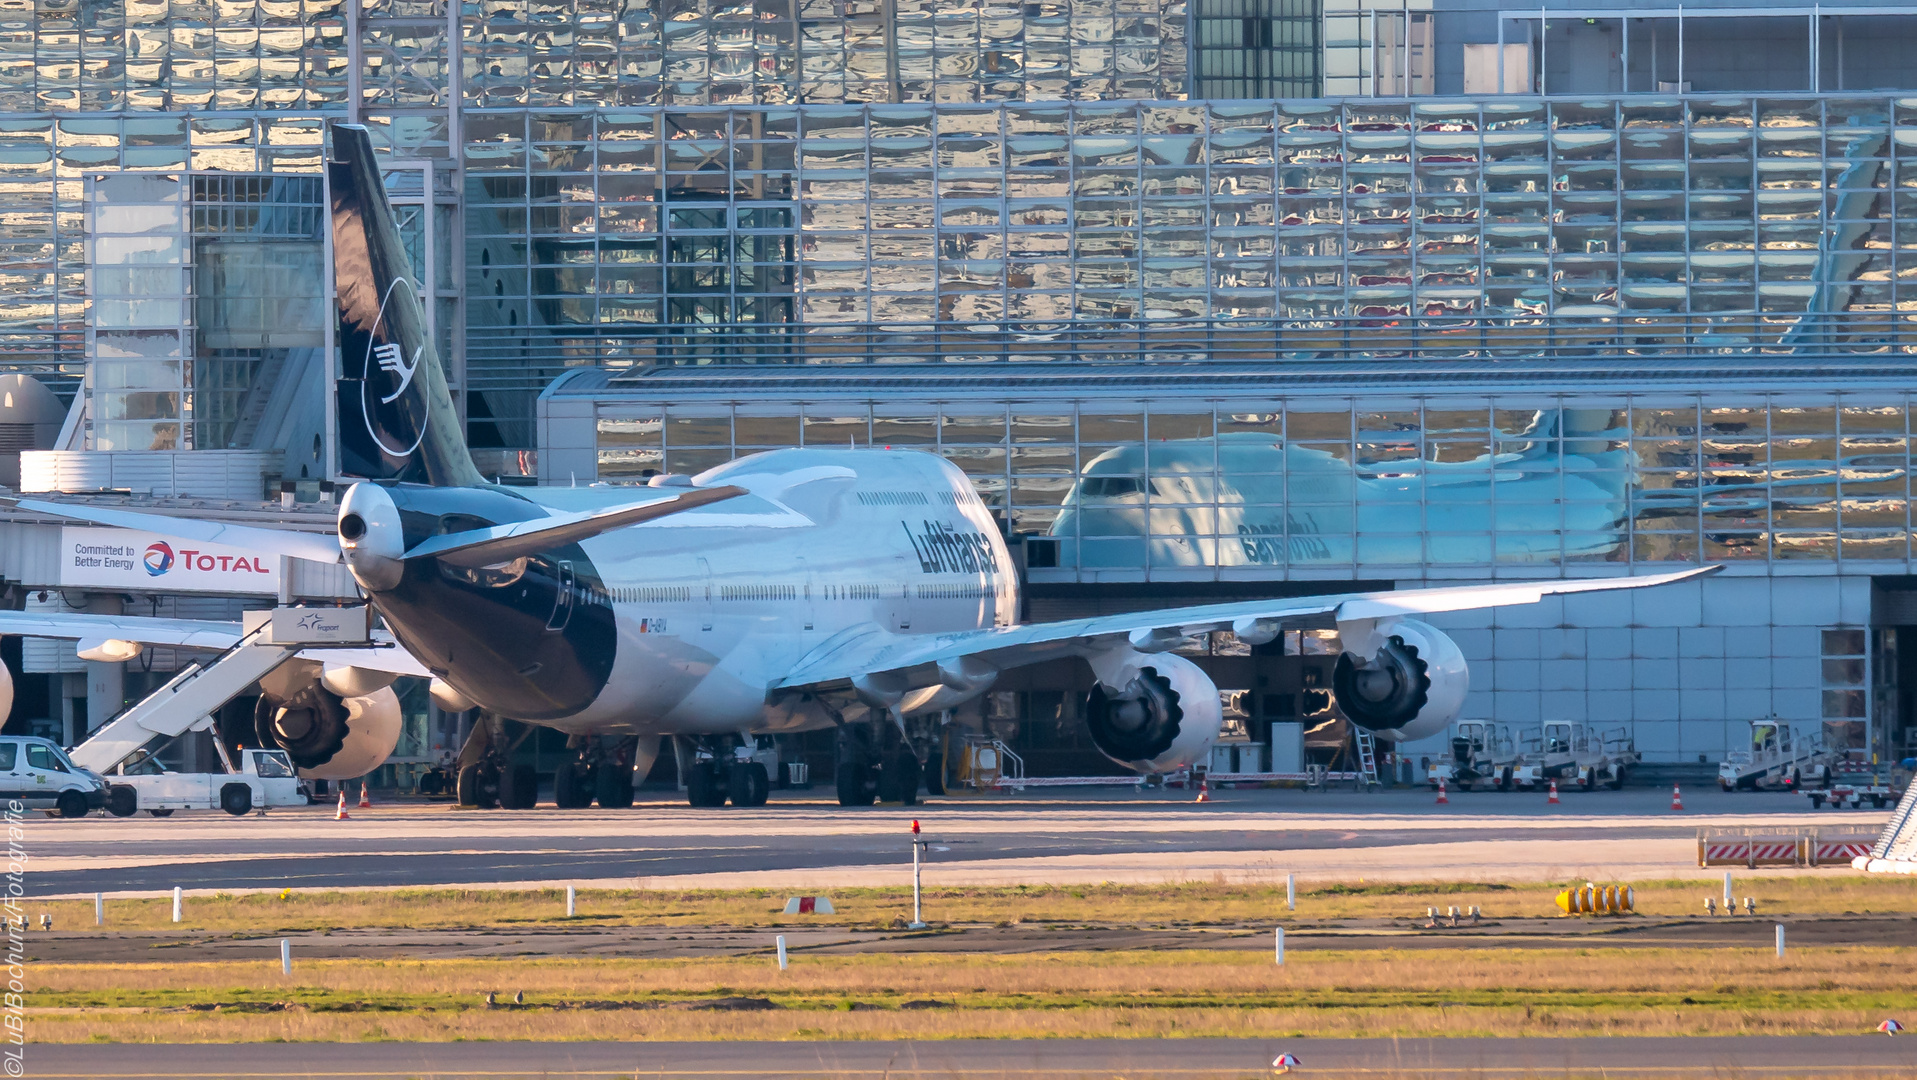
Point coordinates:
[(1153, 713), (328, 736), (6, 693), (1401, 679)]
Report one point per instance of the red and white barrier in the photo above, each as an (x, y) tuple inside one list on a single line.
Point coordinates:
[(809, 905), (1829, 851)]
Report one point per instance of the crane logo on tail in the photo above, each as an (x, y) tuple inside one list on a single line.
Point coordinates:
[(386, 359), (392, 360)]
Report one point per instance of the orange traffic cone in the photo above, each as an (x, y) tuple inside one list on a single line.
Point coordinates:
[(1204, 789), (1553, 800), (1442, 801), (1677, 800), (341, 815), (365, 800)]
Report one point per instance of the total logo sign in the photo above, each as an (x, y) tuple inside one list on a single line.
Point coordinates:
[(129, 559)]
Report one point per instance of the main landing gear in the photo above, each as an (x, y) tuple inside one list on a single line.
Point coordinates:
[(598, 770), (717, 773), (877, 764)]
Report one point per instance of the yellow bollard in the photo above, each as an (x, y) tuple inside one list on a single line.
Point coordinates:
[(1598, 900)]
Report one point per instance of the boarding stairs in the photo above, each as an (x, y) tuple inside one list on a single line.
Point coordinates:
[(179, 706), (1896, 850)]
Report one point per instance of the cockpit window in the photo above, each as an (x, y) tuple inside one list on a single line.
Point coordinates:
[(1110, 487)]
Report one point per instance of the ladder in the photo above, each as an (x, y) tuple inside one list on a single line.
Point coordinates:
[(1367, 756)]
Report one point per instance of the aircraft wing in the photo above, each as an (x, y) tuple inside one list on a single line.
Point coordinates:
[(318, 547), (186, 633), (870, 650), (192, 634)]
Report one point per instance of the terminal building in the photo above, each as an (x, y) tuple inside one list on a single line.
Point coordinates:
[(1211, 299)]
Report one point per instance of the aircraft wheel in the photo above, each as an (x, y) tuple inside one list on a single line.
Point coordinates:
[(933, 774), (747, 784), (612, 786), (904, 776), (518, 788), (122, 801), (479, 786), (71, 804), (569, 790), (856, 783), (705, 785)]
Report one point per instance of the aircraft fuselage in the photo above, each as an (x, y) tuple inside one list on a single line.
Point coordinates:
[(680, 624)]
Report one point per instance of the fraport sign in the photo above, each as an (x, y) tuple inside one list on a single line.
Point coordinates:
[(147, 562)]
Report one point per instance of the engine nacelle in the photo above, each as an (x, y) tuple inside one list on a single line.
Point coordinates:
[(1154, 713), (1401, 679), (6, 693), (327, 736)]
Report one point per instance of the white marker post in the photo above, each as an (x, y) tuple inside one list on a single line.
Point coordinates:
[(286, 957), (781, 940), (918, 845), (1280, 934), (1780, 941), (1730, 902), (99, 909), (176, 903), (571, 898), (1291, 892)]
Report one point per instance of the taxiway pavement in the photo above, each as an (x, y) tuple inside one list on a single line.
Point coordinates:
[(802, 840)]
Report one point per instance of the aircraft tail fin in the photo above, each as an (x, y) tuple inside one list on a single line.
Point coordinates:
[(396, 414)]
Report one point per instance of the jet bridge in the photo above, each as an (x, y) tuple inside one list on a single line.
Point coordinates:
[(188, 700)]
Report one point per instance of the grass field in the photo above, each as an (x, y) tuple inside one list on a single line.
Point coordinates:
[(1191, 903), (1373, 992)]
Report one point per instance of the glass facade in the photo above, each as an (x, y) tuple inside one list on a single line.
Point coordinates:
[(1307, 486), (804, 182)]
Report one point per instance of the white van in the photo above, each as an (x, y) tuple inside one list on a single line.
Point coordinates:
[(38, 773)]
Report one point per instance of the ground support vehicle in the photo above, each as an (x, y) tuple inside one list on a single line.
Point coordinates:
[(1481, 753), (1572, 754), (1780, 757), (39, 775), (264, 778), (1845, 795), (124, 750)]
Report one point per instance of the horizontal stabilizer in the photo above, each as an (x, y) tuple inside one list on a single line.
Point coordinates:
[(501, 543), (318, 547)]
